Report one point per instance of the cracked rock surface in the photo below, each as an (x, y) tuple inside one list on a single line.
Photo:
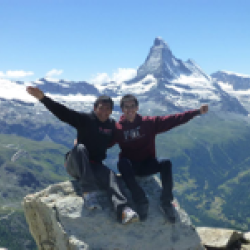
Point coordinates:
[(58, 220)]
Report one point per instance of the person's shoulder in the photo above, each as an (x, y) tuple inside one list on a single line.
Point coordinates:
[(148, 118), (110, 122), (118, 125), (85, 114)]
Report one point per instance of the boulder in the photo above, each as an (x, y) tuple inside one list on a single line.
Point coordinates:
[(245, 247), (218, 238), (58, 220), (246, 237)]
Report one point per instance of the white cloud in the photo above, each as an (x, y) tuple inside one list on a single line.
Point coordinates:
[(11, 90), (120, 75), (16, 73), (123, 75), (54, 72), (100, 78)]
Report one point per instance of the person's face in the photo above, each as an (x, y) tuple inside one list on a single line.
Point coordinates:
[(129, 110), (103, 111)]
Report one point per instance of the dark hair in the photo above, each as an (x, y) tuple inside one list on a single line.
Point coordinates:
[(104, 99), (128, 97)]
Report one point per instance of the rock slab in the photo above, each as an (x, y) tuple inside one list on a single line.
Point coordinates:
[(219, 238), (58, 220)]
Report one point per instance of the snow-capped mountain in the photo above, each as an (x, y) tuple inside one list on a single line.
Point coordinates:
[(236, 85), (64, 88), (166, 83), (163, 84), (161, 63)]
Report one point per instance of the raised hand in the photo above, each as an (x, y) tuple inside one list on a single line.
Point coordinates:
[(204, 109), (36, 92)]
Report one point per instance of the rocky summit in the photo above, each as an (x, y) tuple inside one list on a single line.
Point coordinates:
[(58, 220)]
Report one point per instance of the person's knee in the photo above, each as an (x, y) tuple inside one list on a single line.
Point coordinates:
[(80, 149), (166, 163)]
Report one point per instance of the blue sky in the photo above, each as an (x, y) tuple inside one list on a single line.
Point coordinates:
[(79, 39)]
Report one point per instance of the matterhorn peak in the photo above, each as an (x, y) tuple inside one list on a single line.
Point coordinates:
[(160, 42), (161, 63)]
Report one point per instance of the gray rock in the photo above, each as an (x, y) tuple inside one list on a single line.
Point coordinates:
[(218, 237), (58, 220), (246, 237), (245, 247)]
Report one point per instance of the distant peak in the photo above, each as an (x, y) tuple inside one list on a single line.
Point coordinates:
[(160, 42), (190, 61), (232, 73)]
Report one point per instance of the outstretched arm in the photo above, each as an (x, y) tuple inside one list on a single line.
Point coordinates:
[(165, 123), (65, 114)]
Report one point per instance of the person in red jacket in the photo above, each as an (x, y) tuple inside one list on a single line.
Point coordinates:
[(135, 135)]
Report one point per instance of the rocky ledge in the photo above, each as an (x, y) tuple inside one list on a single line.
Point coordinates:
[(58, 220)]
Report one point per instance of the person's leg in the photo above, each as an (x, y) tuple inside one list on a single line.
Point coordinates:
[(126, 169), (167, 189), (167, 181), (164, 167), (78, 166), (107, 180)]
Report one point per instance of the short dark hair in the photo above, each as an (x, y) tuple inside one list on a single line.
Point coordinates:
[(128, 97), (104, 99)]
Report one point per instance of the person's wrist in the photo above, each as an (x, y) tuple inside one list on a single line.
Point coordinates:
[(41, 98)]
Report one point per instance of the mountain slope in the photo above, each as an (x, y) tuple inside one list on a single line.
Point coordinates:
[(26, 166), (211, 170), (236, 85)]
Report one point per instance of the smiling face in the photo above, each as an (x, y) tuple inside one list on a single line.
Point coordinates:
[(103, 111), (129, 110)]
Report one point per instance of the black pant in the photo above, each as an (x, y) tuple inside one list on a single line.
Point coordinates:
[(130, 169), (95, 176)]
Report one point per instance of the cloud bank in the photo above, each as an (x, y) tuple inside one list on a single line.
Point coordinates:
[(16, 73), (54, 72), (120, 75)]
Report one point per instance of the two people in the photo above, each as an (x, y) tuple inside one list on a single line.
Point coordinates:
[(95, 132), (135, 134)]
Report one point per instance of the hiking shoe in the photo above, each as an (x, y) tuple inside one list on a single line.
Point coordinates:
[(90, 201), (168, 211), (129, 215), (142, 210)]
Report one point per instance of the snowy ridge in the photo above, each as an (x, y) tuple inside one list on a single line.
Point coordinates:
[(17, 91), (235, 74), (162, 82), (236, 85)]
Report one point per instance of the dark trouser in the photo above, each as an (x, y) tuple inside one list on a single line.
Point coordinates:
[(130, 169), (95, 176)]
